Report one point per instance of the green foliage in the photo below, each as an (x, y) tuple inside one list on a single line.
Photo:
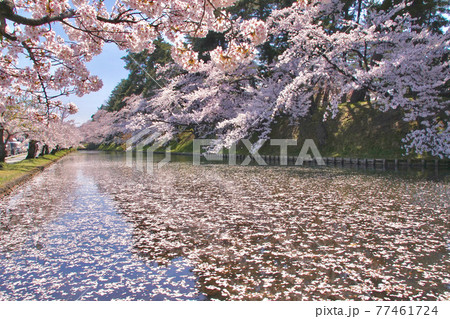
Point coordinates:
[(246, 9), (141, 79), (427, 13), (112, 147), (121, 91), (208, 43), (431, 14), (183, 143), (359, 130)]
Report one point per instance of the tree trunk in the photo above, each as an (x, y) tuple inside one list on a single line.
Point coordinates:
[(321, 133), (45, 150), (56, 149), (2, 146), (358, 95), (32, 149)]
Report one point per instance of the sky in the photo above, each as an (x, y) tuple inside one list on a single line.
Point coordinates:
[(108, 66), (111, 69)]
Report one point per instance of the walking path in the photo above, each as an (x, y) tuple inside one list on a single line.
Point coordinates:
[(16, 158)]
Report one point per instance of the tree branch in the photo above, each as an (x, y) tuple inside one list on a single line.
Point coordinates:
[(41, 21), (41, 80)]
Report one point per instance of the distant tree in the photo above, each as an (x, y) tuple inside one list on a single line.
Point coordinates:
[(430, 14), (245, 10), (140, 80)]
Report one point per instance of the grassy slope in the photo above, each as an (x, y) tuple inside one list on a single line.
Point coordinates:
[(111, 147), (10, 172), (183, 143), (357, 131)]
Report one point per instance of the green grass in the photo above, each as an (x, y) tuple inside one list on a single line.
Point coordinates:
[(182, 144), (10, 172), (111, 147), (359, 130)]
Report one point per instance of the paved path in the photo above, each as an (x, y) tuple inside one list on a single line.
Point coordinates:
[(16, 158)]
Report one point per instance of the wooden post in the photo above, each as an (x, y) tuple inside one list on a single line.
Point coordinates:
[(396, 164)]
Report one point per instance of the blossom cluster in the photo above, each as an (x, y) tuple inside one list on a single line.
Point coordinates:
[(395, 64), (22, 118), (58, 58)]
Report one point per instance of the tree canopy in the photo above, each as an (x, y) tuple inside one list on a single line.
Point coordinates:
[(237, 65), (315, 53)]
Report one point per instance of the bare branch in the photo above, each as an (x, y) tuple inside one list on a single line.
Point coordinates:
[(41, 21)]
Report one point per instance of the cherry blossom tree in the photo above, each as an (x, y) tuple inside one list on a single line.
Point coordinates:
[(13, 120), (394, 63), (52, 132), (21, 118), (18, 118), (384, 59), (60, 37), (211, 102), (104, 127), (58, 60)]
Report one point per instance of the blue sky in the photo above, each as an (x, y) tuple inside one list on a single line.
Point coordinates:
[(110, 68)]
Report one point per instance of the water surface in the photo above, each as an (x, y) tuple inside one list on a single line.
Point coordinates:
[(91, 228)]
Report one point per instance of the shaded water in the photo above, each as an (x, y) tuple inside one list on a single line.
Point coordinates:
[(91, 228)]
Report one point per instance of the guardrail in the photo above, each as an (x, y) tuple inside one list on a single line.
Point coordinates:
[(376, 163)]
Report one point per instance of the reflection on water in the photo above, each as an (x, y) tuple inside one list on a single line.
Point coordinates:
[(62, 239), (92, 228)]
